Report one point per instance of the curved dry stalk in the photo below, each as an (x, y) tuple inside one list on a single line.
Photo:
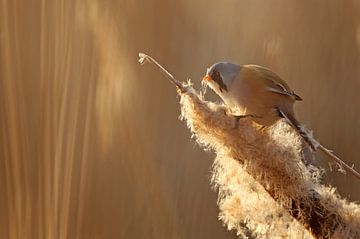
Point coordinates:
[(339, 161), (145, 58), (265, 188)]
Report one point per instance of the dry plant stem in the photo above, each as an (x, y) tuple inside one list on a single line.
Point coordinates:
[(261, 178), (339, 161), (145, 58)]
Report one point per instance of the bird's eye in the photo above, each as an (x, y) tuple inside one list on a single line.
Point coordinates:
[(216, 76)]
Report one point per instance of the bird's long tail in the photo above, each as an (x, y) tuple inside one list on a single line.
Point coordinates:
[(303, 132), (314, 144)]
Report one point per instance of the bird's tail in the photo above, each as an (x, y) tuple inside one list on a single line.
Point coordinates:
[(314, 145), (302, 131)]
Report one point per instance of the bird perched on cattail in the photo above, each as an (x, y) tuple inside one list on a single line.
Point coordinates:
[(261, 94), (257, 92)]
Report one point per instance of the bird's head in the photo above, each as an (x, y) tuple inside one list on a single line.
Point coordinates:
[(220, 76)]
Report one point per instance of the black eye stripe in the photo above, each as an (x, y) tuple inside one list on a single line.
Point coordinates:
[(217, 78)]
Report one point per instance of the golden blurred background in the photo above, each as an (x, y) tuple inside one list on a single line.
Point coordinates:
[(90, 141)]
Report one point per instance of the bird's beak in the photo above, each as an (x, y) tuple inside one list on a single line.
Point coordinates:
[(206, 78)]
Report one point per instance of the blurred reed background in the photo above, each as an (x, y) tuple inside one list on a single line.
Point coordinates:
[(90, 142)]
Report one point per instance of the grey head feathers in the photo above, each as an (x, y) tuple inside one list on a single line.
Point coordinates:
[(223, 73)]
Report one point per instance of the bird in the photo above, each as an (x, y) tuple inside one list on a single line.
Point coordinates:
[(257, 92)]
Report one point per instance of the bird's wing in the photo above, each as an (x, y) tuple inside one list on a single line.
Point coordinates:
[(273, 82)]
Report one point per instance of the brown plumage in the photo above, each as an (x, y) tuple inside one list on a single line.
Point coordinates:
[(257, 91)]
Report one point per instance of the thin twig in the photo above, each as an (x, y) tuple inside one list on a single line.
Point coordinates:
[(145, 58), (339, 161)]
